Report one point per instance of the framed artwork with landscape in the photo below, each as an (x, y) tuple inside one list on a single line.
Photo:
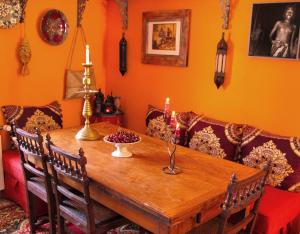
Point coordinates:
[(166, 37), (275, 30)]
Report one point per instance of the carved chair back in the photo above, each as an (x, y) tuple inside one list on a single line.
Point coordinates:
[(65, 165), (37, 178), (242, 200), (31, 145)]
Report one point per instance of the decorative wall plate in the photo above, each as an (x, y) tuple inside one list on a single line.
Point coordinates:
[(10, 13), (54, 27)]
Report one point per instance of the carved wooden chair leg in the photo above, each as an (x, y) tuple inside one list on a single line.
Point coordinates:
[(61, 225), (32, 218), (52, 223)]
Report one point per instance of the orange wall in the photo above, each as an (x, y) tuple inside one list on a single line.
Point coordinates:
[(260, 91), (46, 80)]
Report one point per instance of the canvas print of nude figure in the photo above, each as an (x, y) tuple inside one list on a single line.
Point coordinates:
[(275, 30), (164, 36)]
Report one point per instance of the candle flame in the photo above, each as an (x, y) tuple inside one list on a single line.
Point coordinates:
[(167, 100)]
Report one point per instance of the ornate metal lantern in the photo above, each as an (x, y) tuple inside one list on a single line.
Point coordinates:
[(220, 62), (123, 55)]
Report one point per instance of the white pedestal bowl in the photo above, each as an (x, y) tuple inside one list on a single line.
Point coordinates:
[(121, 148)]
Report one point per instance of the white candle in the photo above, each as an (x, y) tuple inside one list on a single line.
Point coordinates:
[(87, 54)]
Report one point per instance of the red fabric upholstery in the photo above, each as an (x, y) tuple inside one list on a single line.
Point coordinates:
[(12, 164), (278, 213), (14, 182), (14, 179), (74, 229)]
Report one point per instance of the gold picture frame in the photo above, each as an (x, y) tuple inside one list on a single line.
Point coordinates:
[(166, 37)]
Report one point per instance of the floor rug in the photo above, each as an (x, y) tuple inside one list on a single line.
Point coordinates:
[(11, 216), (13, 221), (25, 229)]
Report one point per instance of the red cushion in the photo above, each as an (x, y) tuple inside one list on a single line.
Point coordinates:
[(14, 182), (277, 211), (158, 127), (15, 191), (259, 147), (213, 137), (12, 164), (45, 118)]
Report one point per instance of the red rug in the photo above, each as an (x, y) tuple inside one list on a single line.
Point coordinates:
[(11, 216), (14, 221)]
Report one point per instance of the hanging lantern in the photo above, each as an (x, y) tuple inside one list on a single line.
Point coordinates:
[(220, 62), (123, 55)]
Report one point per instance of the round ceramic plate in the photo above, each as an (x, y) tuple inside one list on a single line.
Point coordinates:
[(10, 13), (54, 27)]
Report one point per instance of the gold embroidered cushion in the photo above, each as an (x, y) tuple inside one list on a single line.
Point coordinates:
[(259, 147), (213, 137), (157, 127), (45, 118)]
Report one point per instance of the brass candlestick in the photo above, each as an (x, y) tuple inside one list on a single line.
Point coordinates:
[(87, 133)]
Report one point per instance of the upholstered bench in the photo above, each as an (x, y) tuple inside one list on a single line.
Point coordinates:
[(14, 178), (45, 118), (15, 189), (279, 210)]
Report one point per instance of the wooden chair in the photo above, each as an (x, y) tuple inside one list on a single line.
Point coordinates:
[(37, 180), (240, 207), (75, 206)]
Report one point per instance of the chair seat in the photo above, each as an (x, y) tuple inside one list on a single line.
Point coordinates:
[(102, 214), (277, 210)]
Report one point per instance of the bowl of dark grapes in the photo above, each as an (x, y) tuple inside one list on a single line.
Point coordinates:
[(122, 139)]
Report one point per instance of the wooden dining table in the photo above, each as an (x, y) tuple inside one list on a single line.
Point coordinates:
[(139, 190)]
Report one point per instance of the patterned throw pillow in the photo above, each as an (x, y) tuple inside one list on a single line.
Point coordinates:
[(214, 137), (259, 147), (45, 118), (157, 127)]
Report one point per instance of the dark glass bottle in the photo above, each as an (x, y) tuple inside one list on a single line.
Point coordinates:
[(98, 104)]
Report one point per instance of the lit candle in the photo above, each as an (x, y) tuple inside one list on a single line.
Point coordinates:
[(87, 54), (173, 120), (167, 110), (167, 105)]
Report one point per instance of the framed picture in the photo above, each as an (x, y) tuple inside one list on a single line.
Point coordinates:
[(275, 30), (166, 37)]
